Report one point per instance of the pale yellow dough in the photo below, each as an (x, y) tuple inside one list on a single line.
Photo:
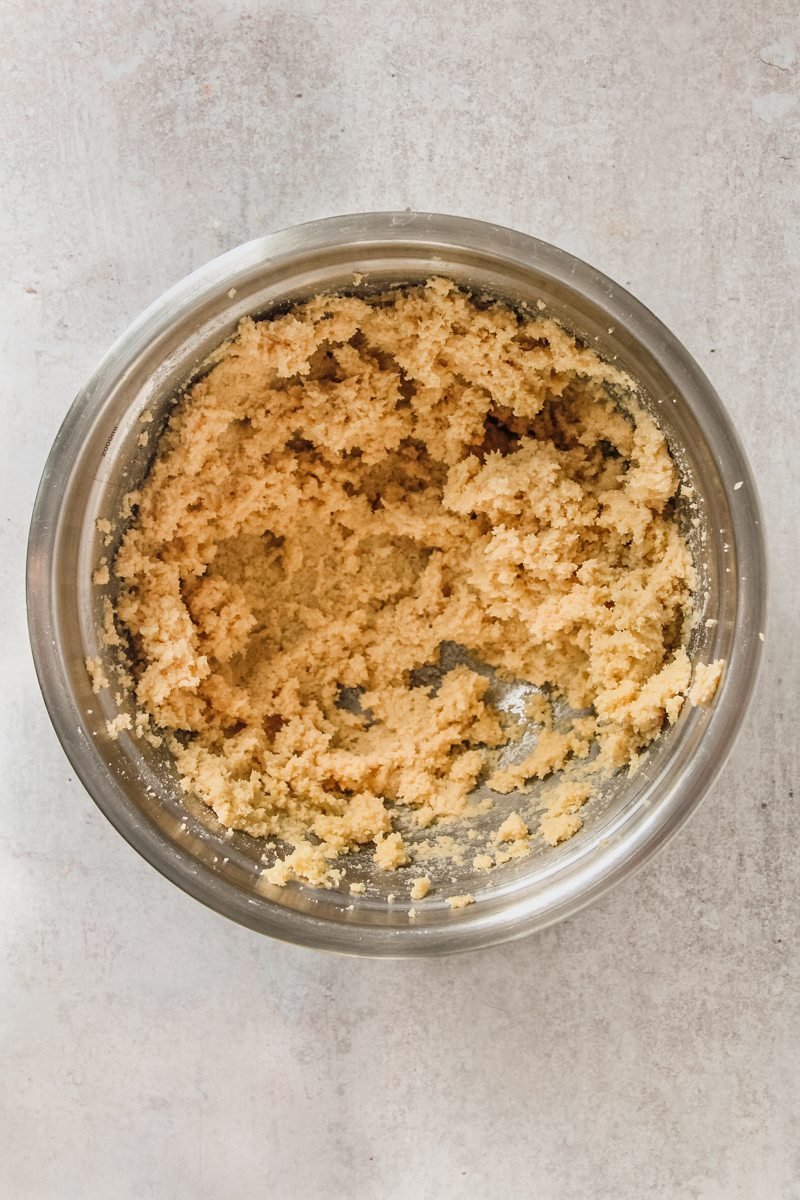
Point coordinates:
[(357, 482)]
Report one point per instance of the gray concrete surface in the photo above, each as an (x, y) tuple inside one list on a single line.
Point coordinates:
[(648, 1047)]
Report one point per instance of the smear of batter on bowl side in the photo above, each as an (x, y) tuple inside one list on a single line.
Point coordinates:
[(358, 482)]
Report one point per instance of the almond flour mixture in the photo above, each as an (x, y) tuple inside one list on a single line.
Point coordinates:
[(352, 486)]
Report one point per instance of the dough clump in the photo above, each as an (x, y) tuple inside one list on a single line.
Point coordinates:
[(355, 484)]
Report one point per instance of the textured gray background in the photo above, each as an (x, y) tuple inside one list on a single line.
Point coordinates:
[(648, 1047)]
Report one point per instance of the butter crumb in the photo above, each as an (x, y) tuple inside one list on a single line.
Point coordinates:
[(461, 901), (115, 727), (143, 730), (561, 820), (110, 635), (706, 682), (390, 852), (560, 828), (97, 675), (129, 502), (420, 888), (512, 829)]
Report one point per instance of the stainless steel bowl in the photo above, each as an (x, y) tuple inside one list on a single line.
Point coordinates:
[(96, 459)]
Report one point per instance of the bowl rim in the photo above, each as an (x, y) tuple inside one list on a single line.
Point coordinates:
[(468, 928)]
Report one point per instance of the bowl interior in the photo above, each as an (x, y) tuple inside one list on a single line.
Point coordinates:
[(99, 459)]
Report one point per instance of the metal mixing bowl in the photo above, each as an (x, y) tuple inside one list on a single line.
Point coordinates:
[(96, 459)]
